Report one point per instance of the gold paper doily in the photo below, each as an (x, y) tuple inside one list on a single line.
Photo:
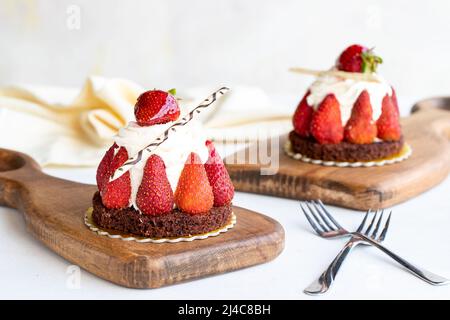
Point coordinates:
[(127, 237)]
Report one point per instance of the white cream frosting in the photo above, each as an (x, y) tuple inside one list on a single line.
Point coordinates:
[(174, 151), (346, 92)]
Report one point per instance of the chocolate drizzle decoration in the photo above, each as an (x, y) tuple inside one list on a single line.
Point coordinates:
[(165, 135)]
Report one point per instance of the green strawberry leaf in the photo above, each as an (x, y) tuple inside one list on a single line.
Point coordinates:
[(370, 61), (172, 91)]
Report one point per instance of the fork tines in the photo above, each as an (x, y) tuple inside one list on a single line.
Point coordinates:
[(318, 216), (376, 221), (324, 224)]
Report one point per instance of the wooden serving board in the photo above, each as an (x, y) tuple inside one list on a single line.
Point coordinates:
[(54, 211), (427, 131)]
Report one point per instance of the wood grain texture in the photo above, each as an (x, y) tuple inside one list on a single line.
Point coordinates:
[(54, 210), (427, 130)]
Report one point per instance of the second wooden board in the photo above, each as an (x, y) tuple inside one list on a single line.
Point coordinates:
[(427, 131)]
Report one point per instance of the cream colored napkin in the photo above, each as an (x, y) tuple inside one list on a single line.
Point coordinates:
[(60, 126)]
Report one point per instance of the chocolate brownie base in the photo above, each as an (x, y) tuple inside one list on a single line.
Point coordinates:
[(174, 224), (344, 151)]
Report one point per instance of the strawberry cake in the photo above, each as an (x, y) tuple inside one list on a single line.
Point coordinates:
[(349, 113), (179, 190)]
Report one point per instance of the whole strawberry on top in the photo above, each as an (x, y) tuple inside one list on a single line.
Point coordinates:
[(357, 58), (156, 107), (349, 113)]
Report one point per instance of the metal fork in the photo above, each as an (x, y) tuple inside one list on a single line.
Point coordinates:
[(326, 226), (326, 279)]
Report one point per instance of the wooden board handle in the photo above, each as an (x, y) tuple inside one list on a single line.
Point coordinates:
[(432, 103), (435, 113), (17, 171)]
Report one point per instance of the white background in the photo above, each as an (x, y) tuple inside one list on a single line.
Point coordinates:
[(180, 43)]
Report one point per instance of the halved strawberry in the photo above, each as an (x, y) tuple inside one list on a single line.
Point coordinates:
[(156, 107), (302, 117), (360, 128), (155, 195), (104, 168), (326, 125), (388, 124), (194, 194), (116, 194), (219, 179)]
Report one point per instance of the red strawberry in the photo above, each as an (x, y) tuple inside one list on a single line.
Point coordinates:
[(302, 117), (219, 179), (155, 194), (388, 123), (326, 124), (104, 168), (156, 107), (194, 194), (360, 128), (116, 194), (357, 58)]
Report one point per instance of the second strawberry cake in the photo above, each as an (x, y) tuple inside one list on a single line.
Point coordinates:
[(181, 189), (346, 118)]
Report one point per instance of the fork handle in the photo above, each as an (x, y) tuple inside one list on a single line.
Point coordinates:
[(423, 274), (326, 279)]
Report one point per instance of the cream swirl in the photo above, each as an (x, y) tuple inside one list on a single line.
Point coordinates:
[(347, 91), (174, 151)]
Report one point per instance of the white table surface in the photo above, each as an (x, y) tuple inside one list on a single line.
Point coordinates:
[(418, 232)]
